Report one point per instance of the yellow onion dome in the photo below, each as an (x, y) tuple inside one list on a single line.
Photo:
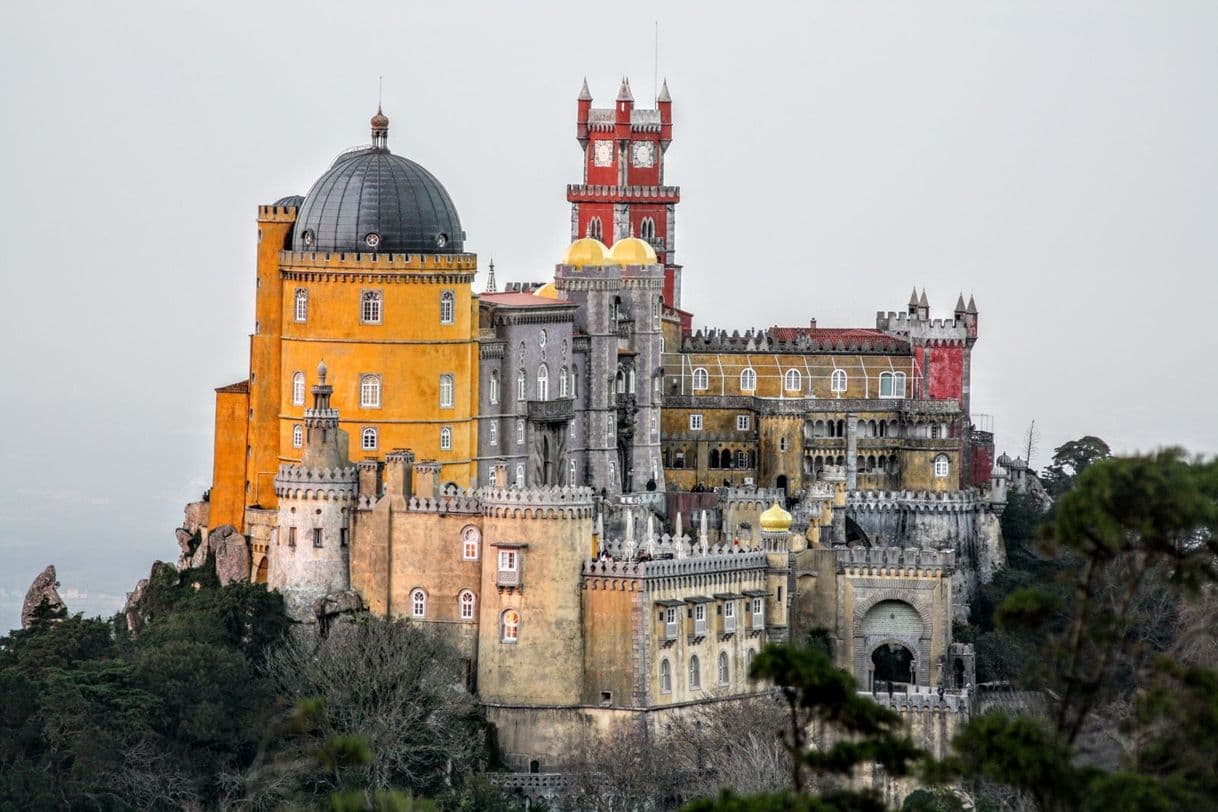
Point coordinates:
[(547, 291), (585, 251), (632, 251), (775, 519)]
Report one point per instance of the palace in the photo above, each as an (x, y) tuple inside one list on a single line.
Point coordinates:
[(608, 511)]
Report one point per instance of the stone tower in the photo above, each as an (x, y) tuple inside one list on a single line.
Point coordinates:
[(309, 551)]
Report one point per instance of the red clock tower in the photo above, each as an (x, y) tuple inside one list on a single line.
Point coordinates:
[(623, 193)]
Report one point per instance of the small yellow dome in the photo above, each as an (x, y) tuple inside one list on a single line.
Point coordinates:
[(547, 291), (585, 251), (632, 251), (775, 519)]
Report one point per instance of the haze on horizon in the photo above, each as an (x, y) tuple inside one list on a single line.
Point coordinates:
[(1056, 161)]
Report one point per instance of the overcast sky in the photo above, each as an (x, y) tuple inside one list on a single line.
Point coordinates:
[(1056, 160)]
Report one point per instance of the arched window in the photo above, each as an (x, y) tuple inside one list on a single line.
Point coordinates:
[(493, 434), (543, 382), (665, 676), (695, 673), (446, 439), (520, 475), (367, 439), (298, 388), (595, 229), (656, 306), (494, 387), (748, 380), (370, 391), (447, 307), (563, 390), (446, 391), (509, 626), (418, 603), (724, 673), (943, 466), (519, 432), (792, 381), (466, 603), (522, 385), (837, 383), (647, 229), (752, 655), (302, 304), (892, 384), (572, 472), (701, 378), (370, 307), (574, 388), (713, 461), (470, 537), (297, 436)]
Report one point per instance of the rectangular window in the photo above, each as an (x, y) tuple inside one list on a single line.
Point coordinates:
[(742, 422), (507, 560), (291, 536), (695, 422), (509, 568), (316, 536), (343, 536), (370, 307), (729, 617), (670, 623), (700, 620), (758, 613)]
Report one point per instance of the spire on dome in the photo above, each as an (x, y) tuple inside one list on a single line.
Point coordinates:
[(623, 93), (490, 278), (664, 97), (380, 129), (584, 93)]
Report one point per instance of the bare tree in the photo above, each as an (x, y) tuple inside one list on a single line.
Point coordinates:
[(1031, 442)]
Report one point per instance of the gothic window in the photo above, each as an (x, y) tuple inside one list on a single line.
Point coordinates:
[(837, 382), (655, 312), (695, 673), (302, 304), (619, 382), (494, 387), (520, 475), (470, 538), (543, 382), (647, 229), (742, 422), (446, 391), (418, 603), (297, 436), (493, 434), (291, 536), (466, 601), (892, 384), (370, 391), (316, 536), (713, 459), (748, 380), (519, 432), (574, 373), (370, 307), (563, 390), (695, 422), (724, 673), (595, 230), (665, 676), (447, 307), (298, 388), (368, 439), (509, 624), (571, 473), (792, 381), (701, 379), (446, 439), (522, 385), (942, 466)]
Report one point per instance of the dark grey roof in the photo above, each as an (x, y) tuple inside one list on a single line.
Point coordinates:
[(290, 200), (370, 201)]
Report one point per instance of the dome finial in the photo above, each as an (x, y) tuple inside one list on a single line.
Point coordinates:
[(380, 121), (321, 372)]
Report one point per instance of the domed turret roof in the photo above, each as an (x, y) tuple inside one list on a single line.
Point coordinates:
[(547, 291), (585, 251), (775, 519), (371, 200), (632, 251)]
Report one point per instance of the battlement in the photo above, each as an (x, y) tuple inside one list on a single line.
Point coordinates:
[(917, 501), (459, 501), (720, 559), (299, 482), (924, 700), (749, 497), (598, 193), (872, 559), (537, 503), (277, 214), (795, 340), (920, 329), (346, 262)]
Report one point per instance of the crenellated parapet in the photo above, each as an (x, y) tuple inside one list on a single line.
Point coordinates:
[(299, 482), (747, 498), (786, 340), (924, 330), (459, 501), (720, 559), (537, 503), (894, 561), (917, 501)]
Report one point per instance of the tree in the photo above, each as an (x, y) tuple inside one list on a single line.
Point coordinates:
[(1031, 442), (1070, 460)]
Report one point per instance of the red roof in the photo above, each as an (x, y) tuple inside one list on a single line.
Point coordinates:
[(827, 333), (519, 300), (240, 388)]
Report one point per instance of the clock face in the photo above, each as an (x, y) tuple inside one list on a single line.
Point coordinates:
[(602, 153), (643, 154)]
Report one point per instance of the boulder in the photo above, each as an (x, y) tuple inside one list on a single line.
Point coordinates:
[(337, 603), (131, 611), (42, 601), (232, 554)]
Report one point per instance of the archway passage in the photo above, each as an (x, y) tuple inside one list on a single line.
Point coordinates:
[(855, 537), (892, 662)]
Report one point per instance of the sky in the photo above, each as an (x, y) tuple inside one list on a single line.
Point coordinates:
[(1054, 160)]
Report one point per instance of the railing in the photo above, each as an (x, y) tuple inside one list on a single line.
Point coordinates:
[(729, 624), (758, 621), (671, 630), (551, 411), (700, 628), (508, 578)]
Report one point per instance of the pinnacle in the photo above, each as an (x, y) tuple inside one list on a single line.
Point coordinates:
[(623, 93), (972, 306), (922, 302), (584, 93), (913, 297), (960, 303), (664, 97)]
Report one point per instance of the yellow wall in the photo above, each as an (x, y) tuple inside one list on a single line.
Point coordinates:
[(229, 458)]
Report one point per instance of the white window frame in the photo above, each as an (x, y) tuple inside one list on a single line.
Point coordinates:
[(448, 307), (297, 436), (509, 560), (701, 379), (520, 432), (729, 617), (522, 385), (368, 439), (493, 434), (371, 307), (943, 467), (470, 544), (700, 620), (418, 603), (725, 672), (695, 673), (300, 310), (467, 604), (792, 380), (695, 422), (742, 422), (446, 391), (298, 388), (370, 391), (519, 475), (563, 388), (543, 382), (665, 676), (509, 632), (758, 613), (838, 381), (572, 471), (446, 439), (494, 386), (748, 380)]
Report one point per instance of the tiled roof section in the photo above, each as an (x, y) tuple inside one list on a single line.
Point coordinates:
[(521, 300), (826, 333), (238, 388), (797, 339)]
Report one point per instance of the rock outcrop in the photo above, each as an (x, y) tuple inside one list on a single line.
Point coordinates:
[(232, 554), (42, 601)]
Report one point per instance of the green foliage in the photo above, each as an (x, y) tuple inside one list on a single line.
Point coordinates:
[(932, 799), (1070, 460)]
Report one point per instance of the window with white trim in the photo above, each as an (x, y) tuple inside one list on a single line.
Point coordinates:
[(370, 307), (493, 388), (493, 434), (297, 436), (298, 388), (665, 676), (701, 379), (742, 422), (562, 383), (301, 308), (446, 439), (509, 560), (695, 422), (418, 603), (572, 472), (519, 432), (837, 382), (367, 439), (748, 380), (465, 601), (724, 671), (370, 391), (509, 625), (647, 229), (470, 540), (448, 307), (574, 390), (943, 466), (695, 673), (792, 381), (446, 391), (522, 385), (520, 475), (892, 384), (758, 608), (543, 382)]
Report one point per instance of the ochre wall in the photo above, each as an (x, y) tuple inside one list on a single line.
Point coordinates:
[(815, 370), (229, 458)]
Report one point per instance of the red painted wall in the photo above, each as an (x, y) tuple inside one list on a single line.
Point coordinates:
[(982, 463), (946, 373)]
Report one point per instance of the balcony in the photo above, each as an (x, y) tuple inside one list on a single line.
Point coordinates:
[(671, 630), (508, 578), (729, 624), (700, 628), (551, 411)]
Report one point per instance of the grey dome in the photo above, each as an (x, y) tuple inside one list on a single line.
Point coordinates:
[(373, 201)]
